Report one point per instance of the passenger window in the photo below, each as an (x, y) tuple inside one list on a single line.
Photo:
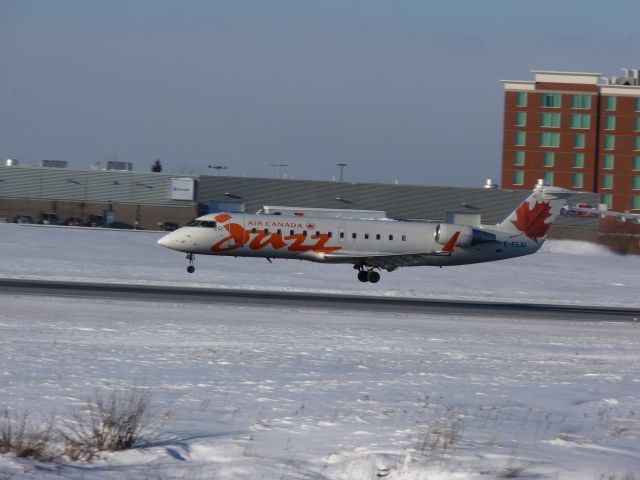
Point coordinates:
[(377, 236), (390, 237), (330, 234), (366, 236), (354, 235), (317, 233), (404, 238), (279, 232), (341, 234), (290, 232), (253, 230), (304, 233), (266, 230)]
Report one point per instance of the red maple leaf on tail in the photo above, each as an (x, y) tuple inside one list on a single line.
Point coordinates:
[(530, 221)]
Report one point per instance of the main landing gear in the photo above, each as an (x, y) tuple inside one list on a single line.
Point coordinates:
[(191, 257), (367, 275)]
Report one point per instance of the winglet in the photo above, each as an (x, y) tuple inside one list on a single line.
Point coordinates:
[(449, 246)]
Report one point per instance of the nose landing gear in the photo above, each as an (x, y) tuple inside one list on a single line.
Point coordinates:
[(368, 275), (191, 257)]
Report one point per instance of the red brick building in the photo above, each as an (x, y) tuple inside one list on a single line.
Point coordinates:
[(575, 130)]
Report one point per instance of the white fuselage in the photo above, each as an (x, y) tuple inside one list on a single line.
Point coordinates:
[(333, 240)]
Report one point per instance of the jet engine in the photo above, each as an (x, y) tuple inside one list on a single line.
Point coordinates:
[(468, 235)]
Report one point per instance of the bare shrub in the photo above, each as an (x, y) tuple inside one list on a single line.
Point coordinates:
[(444, 434), (111, 423), (25, 438)]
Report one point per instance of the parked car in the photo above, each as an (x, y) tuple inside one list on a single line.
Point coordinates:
[(573, 210), (23, 219), (3, 219), (170, 226), (47, 218), (73, 222), (95, 221)]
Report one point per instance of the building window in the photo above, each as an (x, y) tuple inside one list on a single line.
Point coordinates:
[(518, 158), (548, 178), (609, 122), (579, 120), (607, 181), (550, 119), (549, 139), (548, 159), (635, 163), (635, 182), (636, 124), (521, 99), (578, 160), (635, 202), (521, 138), (576, 180), (610, 102), (578, 140), (637, 104), (551, 100), (518, 177), (636, 143), (581, 101), (606, 199), (521, 119), (609, 142), (607, 161)]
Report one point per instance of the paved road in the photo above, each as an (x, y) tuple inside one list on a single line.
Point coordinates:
[(313, 300)]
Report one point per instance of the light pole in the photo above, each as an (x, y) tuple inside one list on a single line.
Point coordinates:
[(341, 165), (279, 167), (217, 168)]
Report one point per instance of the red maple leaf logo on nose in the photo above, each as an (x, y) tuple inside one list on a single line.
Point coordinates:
[(530, 221)]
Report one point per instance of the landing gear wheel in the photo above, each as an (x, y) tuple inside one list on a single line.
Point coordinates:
[(363, 276), (191, 258), (374, 277)]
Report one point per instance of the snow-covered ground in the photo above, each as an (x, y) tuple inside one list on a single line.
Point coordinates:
[(268, 393), (562, 272)]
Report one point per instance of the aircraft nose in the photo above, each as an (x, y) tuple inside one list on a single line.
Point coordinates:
[(167, 240)]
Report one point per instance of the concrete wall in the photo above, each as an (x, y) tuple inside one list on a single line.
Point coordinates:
[(146, 217)]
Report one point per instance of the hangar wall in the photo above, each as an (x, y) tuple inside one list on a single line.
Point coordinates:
[(145, 200)]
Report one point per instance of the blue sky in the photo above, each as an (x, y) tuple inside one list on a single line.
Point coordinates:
[(405, 90)]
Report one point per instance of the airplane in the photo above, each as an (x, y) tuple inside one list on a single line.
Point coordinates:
[(370, 244)]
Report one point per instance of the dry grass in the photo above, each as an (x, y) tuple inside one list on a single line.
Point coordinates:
[(107, 423), (25, 438)]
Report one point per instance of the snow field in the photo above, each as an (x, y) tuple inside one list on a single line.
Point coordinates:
[(244, 392), (565, 272)]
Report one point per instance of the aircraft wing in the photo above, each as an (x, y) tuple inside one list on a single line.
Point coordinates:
[(385, 261)]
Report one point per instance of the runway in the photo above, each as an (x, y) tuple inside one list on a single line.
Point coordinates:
[(313, 300)]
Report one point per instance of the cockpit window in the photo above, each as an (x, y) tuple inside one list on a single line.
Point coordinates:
[(201, 223)]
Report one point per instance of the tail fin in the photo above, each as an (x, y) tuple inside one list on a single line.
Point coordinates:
[(533, 217)]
